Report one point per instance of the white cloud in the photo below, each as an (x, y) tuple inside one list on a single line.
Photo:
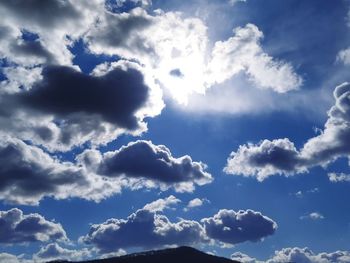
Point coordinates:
[(338, 177), (313, 216)]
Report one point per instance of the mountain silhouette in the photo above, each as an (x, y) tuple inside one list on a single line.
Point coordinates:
[(172, 255)]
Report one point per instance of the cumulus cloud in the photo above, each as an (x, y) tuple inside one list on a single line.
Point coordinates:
[(142, 159), (267, 158), (338, 177), (144, 229), (196, 202), (243, 258), (281, 156), (161, 204), (54, 251), (17, 227), (28, 174), (177, 51), (305, 255), (148, 228), (243, 52), (68, 107), (296, 254), (230, 227)]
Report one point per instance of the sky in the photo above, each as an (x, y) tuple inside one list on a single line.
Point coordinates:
[(131, 125)]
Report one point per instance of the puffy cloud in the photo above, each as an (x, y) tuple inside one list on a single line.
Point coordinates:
[(243, 52), (265, 159), (68, 108), (313, 216), (144, 229), (196, 202), (148, 228), (175, 49), (296, 254), (54, 251), (305, 255), (281, 157), (142, 159), (243, 258), (8, 258), (19, 228), (338, 177), (232, 227), (161, 204), (28, 174)]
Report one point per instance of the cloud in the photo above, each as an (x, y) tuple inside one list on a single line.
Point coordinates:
[(243, 258), (233, 2), (142, 159), (196, 202), (28, 174), (149, 228), (265, 159), (281, 156), (54, 251), (313, 216), (305, 255), (338, 177), (72, 107), (19, 228), (243, 52), (178, 52), (144, 229), (232, 227), (161, 204)]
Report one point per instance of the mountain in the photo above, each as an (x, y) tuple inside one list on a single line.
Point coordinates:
[(172, 255)]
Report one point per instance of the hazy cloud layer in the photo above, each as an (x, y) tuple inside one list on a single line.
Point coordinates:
[(15, 227), (281, 156)]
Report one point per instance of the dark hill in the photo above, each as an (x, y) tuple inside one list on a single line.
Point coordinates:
[(172, 255)]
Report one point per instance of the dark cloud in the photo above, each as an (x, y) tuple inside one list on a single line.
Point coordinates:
[(266, 158), (232, 227), (146, 160), (281, 157), (15, 227), (115, 96), (27, 174), (144, 229), (67, 107)]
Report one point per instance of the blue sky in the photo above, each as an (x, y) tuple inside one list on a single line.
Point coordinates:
[(115, 115)]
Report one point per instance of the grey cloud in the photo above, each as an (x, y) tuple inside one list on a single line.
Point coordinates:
[(149, 228), (68, 108), (144, 229), (233, 227), (155, 162), (28, 174), (54, 251), (281, 156), (42, 13), (15, 227)]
